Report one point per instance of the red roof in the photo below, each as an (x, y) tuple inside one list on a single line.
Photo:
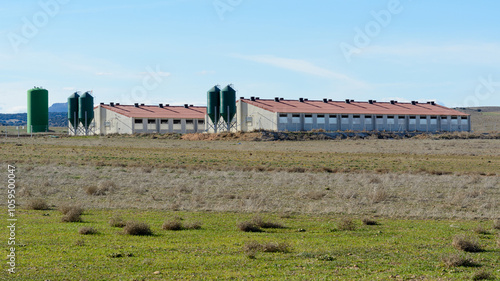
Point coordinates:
[(338, 107), (154, 111)]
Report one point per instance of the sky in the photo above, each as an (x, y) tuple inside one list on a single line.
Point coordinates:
[(174, 51)]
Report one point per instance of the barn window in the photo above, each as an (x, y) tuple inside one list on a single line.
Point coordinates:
[(177, 121), (137, 121), (201, 122), (320, 119), (151, 121), (164, 121), (189, 122), (308, 119)]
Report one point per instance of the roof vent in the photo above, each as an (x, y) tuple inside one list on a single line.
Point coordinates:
[(167, 104), (433, 103), (282, 98), (242, 98), (325, 100), (160, 105), (413, 102), (374, 101), (352, 100), (191, 105), (257, 98), (276, 99), (186, 106), (142, 104), (370, 101), (117, 103), (347, 101), (136, 105), (252, 98), (102, 103), (393, 101), (330, 100), (306, 99), (112, 104), (301, 99)]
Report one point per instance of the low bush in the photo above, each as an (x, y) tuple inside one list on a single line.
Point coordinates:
[(252, 247), (37, 204), (496, 224), (456, 260), (480, 230), (260, 222), (137, 228), (482, 275), (347, 224), (87, 230), (71, 213), (466, 243), (193, 225), (249, 227), (172, 225), (117, 222), (367, 221)]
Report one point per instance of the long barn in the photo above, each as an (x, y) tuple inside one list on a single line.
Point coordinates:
[(280, 114)]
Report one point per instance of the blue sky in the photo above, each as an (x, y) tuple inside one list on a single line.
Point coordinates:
[(173, 51)]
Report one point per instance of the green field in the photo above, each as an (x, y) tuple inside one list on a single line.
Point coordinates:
[(397, 249), (422, 192)]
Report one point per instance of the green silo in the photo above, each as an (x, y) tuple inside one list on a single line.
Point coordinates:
[(213, 104), (228, 103), (38, 110), (73, 110), (86, 109)]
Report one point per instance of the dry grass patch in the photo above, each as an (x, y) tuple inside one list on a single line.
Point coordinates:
[(466, 243), (481, 230), (137, 228), (102, 188), (87, 230), (37, 204)]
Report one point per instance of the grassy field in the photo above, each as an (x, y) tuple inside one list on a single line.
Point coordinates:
[(422, 192), (312, 247)]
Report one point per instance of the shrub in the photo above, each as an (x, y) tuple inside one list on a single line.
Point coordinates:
[(480, 230), (101, 189), (80, 242), (117, 222), (38, 204), (249, 227), (137, 228), (72, 216), (496, 224), (379, 195), (64, 209), (466, 243), (258, 221), (482, 275), (86, 230), (193, 225), (456, 260), (347, 224), (71, 213), (272, 247), (172, 225), (252, 247), (367, 221)]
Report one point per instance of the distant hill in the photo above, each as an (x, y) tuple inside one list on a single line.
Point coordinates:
[(56, 119), (484, 118), (59, 107)]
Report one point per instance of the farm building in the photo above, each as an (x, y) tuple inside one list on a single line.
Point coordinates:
[(304, 115), (115, 118)]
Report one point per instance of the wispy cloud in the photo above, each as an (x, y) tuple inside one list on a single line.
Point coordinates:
[(15, 109), (104, 73), (69, 88), (206, 72), (298, 65), (482, 53)]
